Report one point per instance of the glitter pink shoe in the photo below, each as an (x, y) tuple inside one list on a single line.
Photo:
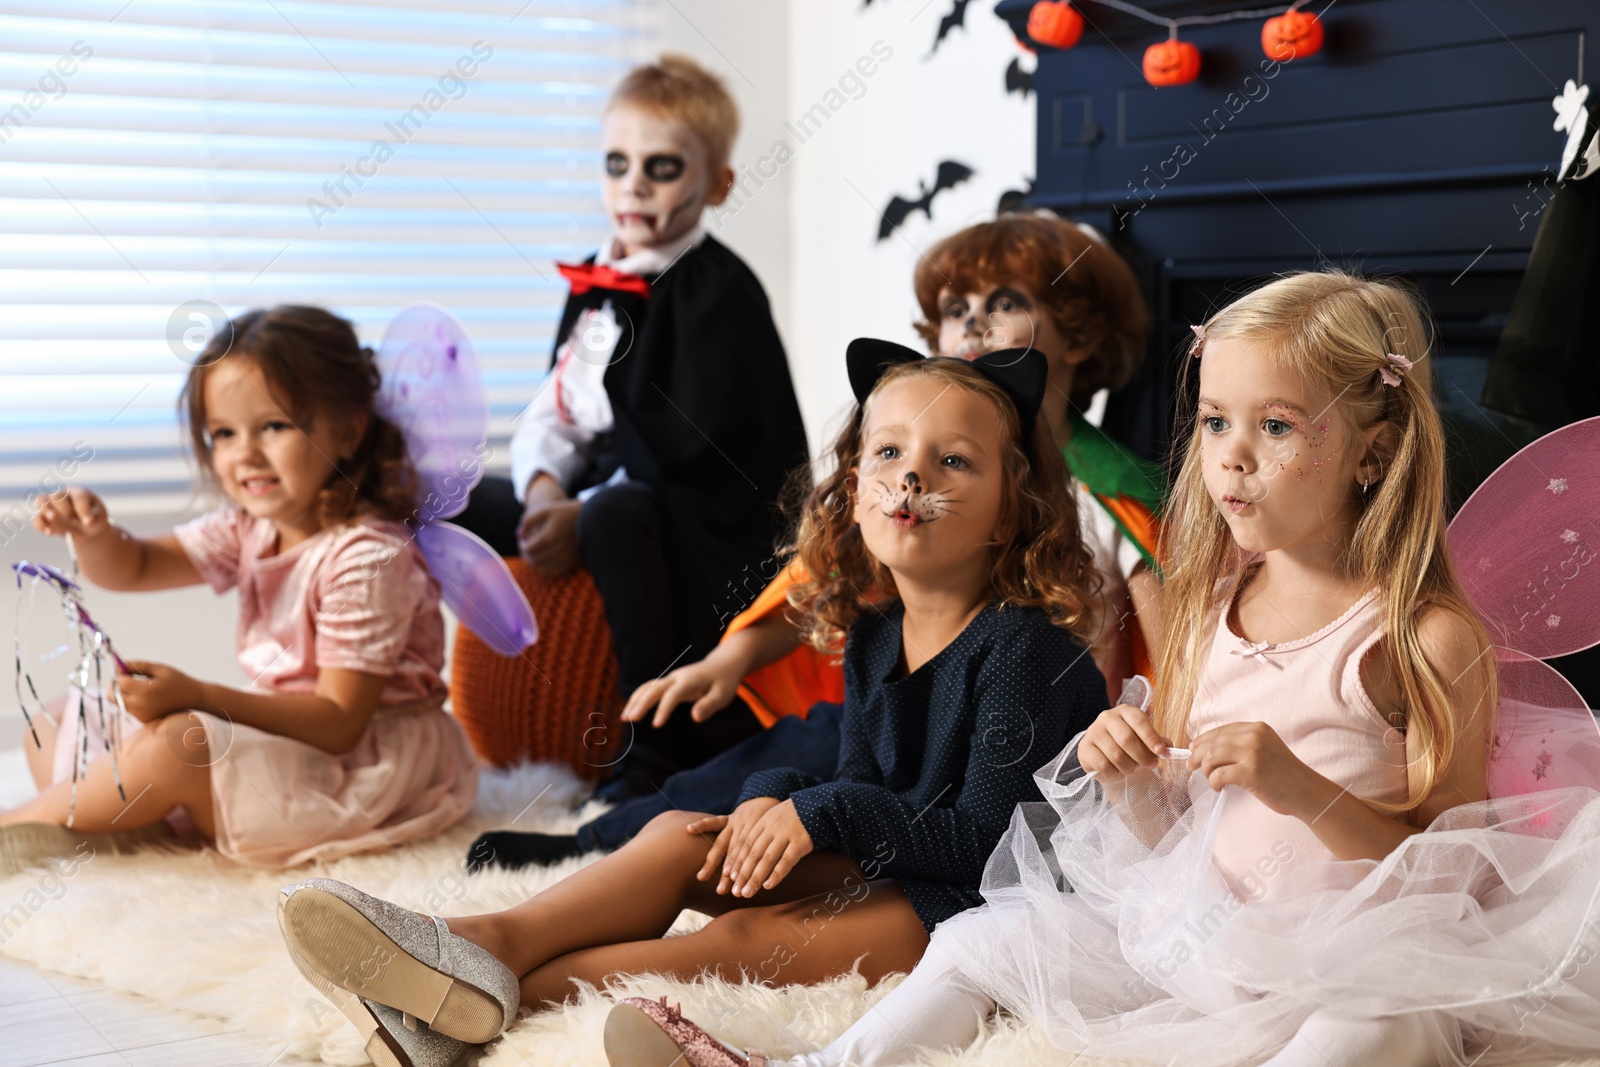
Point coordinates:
[(647, 1033)]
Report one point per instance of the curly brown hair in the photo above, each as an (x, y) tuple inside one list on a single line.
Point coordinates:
[(316, 367), (1087, 289), (1040, 559)]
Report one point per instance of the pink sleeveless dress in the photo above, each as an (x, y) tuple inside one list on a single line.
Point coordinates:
[(1330, 723), (1179, 924)]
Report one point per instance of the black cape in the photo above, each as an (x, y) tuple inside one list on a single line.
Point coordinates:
[(705, 414)]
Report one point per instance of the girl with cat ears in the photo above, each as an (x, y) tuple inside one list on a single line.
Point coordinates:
[(963, 670)]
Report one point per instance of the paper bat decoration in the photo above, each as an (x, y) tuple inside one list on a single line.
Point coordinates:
[(1018, 80), (951, 174), (957, 17), (1014, 200)]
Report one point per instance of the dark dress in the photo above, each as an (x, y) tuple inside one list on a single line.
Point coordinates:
[(932, 763)]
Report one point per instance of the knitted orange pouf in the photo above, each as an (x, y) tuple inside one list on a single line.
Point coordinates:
[(558, 700)]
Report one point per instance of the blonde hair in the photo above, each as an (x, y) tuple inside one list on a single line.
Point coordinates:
[(1335, 330), (1039, 556), (676, 87)]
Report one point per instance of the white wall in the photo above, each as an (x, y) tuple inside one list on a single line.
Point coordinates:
[(806, 212), (747, 46), (915, 112)]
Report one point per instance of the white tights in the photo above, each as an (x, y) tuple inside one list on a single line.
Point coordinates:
[(939, 1007), (935, 1007), (1329, 1038)]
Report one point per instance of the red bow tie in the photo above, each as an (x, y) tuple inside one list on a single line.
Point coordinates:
[(586, 276)]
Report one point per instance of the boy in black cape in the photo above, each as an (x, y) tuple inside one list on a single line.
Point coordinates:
[(655, 452)]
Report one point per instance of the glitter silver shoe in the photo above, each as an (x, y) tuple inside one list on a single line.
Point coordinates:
[(343, 939), (395, 1039)]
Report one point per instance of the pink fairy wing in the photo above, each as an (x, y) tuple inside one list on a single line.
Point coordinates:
[(1545, 737), (477, 585), (1525, 544), (432, 389)]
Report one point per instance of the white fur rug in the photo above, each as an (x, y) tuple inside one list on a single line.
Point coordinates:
[(196, 933)]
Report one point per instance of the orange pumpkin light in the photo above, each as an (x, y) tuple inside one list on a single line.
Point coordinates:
[(1292, 35), (1171, 62), (1055, 24)]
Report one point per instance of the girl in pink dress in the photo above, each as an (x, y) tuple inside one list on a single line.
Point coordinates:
[(1294, 859), (340, 744)]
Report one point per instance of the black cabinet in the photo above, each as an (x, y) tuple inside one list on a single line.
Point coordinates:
[(1418, 142)]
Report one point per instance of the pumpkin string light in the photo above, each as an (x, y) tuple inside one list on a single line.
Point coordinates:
[(1288, 33)]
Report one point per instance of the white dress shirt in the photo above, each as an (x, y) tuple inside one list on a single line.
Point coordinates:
[(556, 431)]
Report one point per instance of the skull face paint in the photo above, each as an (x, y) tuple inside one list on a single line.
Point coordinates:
[(658, 178)]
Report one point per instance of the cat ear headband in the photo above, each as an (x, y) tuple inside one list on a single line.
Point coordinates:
[(1019, 372)]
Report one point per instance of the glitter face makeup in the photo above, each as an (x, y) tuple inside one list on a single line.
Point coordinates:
[(1258, 422)]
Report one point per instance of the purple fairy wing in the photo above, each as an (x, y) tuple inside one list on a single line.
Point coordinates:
[(1525, 544), (433, 391), (477, 585)]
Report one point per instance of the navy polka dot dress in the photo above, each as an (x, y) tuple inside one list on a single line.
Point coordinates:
[(932, 763)]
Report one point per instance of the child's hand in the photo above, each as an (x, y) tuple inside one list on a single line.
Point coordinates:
[(765, 854), (73, 511), (1252, 756), (733, 832), (759, 845), (548, 536), (717, 824), (708, 683), (155, 690), (1119, 742)]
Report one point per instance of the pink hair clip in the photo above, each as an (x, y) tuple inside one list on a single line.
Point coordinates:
[(1199, 340), (1398, 365)]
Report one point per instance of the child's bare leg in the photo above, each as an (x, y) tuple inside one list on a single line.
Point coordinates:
[(633, 894), (619, 907), (799, 942), (42, 756), (164, 765)]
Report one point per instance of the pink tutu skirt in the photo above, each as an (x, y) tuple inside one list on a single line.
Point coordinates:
[(279, 802)]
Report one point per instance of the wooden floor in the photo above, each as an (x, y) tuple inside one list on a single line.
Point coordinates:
[(47, 1019)]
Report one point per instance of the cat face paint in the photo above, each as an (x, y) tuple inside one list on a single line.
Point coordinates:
[(928, 483), (909, 503), (657, 178)]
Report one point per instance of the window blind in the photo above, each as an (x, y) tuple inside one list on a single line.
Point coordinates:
[(163, 156)]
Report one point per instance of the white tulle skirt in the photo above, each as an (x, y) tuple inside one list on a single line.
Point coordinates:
[(1486, 925)]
